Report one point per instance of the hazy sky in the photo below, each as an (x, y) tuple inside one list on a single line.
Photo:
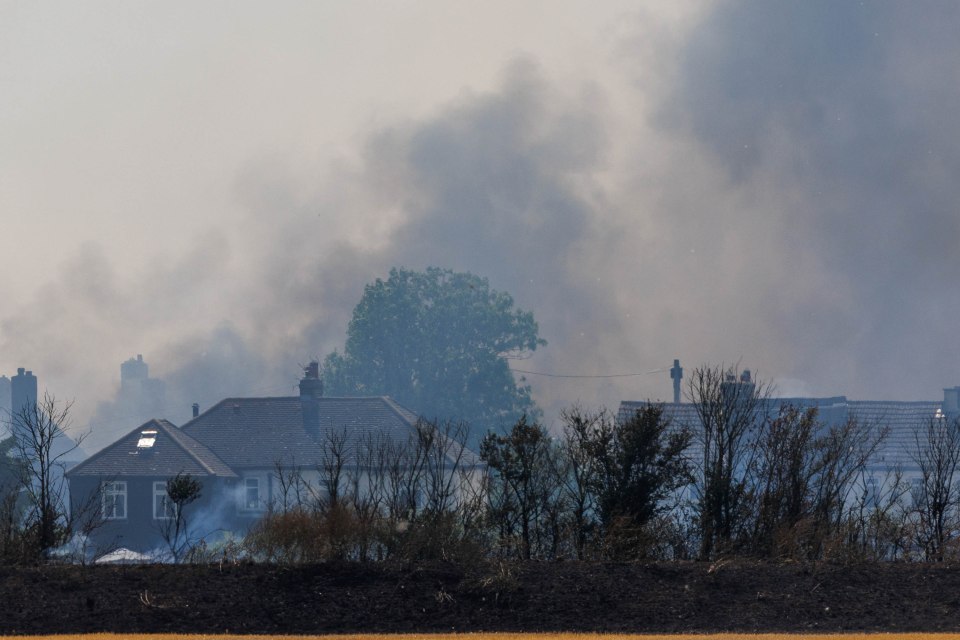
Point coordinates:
[(211, 184)]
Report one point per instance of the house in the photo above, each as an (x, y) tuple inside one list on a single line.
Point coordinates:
[(240, 450), (900, 420)]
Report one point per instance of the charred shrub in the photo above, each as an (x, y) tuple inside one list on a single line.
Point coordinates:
[(496, 581), (439, 537), (303, 536), (290, 537)]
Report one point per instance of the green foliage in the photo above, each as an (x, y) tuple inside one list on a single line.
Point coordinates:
[(641, 462), (523, 483), (620, 476), (183, 489), (438, 342)]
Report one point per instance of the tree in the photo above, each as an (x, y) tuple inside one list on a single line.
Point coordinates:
[(522, 476), (619, 474), (578, 471), (42, 447), (936, 496), (729, 412), (788, 463), (439, 343), (642, 463), (182, 490)]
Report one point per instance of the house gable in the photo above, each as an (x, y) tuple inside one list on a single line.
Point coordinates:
[(156, 449)]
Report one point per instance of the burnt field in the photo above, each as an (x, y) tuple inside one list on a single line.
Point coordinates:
[(567, 596)]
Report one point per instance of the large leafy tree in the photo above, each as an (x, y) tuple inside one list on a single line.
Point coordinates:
[(439, 343)]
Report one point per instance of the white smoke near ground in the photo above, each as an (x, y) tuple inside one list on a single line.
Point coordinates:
[(772, 184)]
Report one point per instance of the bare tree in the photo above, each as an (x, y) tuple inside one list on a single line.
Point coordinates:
[(332, 468), (877, 523), (936, 496), (729, 411), (444, 447), (42, 445), (364, 478), (292, 489), (843, 457)]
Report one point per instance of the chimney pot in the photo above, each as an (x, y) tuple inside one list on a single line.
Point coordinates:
[(196, 409)]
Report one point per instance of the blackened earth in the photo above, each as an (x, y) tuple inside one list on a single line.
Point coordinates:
[(561, 596)]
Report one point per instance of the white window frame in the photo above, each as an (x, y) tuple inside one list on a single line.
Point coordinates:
[(114, 494), (252, 482), (163, 508)]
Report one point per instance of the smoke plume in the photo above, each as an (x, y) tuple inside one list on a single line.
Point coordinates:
[(772, 184)]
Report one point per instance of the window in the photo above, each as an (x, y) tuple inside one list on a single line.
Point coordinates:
[(251, 495), (918, 491), (163, 508), (871, 493), (115, 501), (147, 439)]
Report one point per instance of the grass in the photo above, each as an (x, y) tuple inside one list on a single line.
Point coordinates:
[(509, 636)]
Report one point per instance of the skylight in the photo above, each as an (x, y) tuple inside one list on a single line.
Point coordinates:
[(147, 439)]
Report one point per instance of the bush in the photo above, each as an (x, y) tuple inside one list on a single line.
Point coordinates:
[(439, 537)]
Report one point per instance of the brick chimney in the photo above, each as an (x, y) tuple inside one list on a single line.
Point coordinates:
[(311, 390)]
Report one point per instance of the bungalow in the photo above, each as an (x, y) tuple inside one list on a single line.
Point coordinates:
[(901, 421), (238, 451)]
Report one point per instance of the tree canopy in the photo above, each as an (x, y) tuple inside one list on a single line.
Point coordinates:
[(438, 342)]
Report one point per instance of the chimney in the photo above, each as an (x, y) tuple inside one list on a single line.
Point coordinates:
[(196, 409), (951, 401), (311, 390), (676, 374), (23, 391)]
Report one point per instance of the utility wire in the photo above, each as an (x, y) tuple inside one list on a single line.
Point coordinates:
[(570, 375)]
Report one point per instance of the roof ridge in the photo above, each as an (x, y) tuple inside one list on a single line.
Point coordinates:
[(180, 434), (399, 409)]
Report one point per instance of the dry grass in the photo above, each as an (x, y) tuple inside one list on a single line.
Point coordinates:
[(510, 636)]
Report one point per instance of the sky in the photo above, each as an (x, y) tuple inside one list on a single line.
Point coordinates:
[(760, 182)]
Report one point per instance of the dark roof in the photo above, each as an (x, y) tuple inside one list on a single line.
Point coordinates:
[(260, 432), (172, 452)]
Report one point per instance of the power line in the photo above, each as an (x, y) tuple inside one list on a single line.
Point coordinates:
[(571, 375)]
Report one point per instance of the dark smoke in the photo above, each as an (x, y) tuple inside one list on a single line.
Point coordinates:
[(839, 119), (776, 187)]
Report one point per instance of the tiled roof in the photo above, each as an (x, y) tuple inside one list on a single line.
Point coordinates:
[(903, 419), (171, 452), (259, 432)]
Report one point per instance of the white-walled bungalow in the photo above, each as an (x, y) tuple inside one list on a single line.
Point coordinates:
[(244, 452)]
